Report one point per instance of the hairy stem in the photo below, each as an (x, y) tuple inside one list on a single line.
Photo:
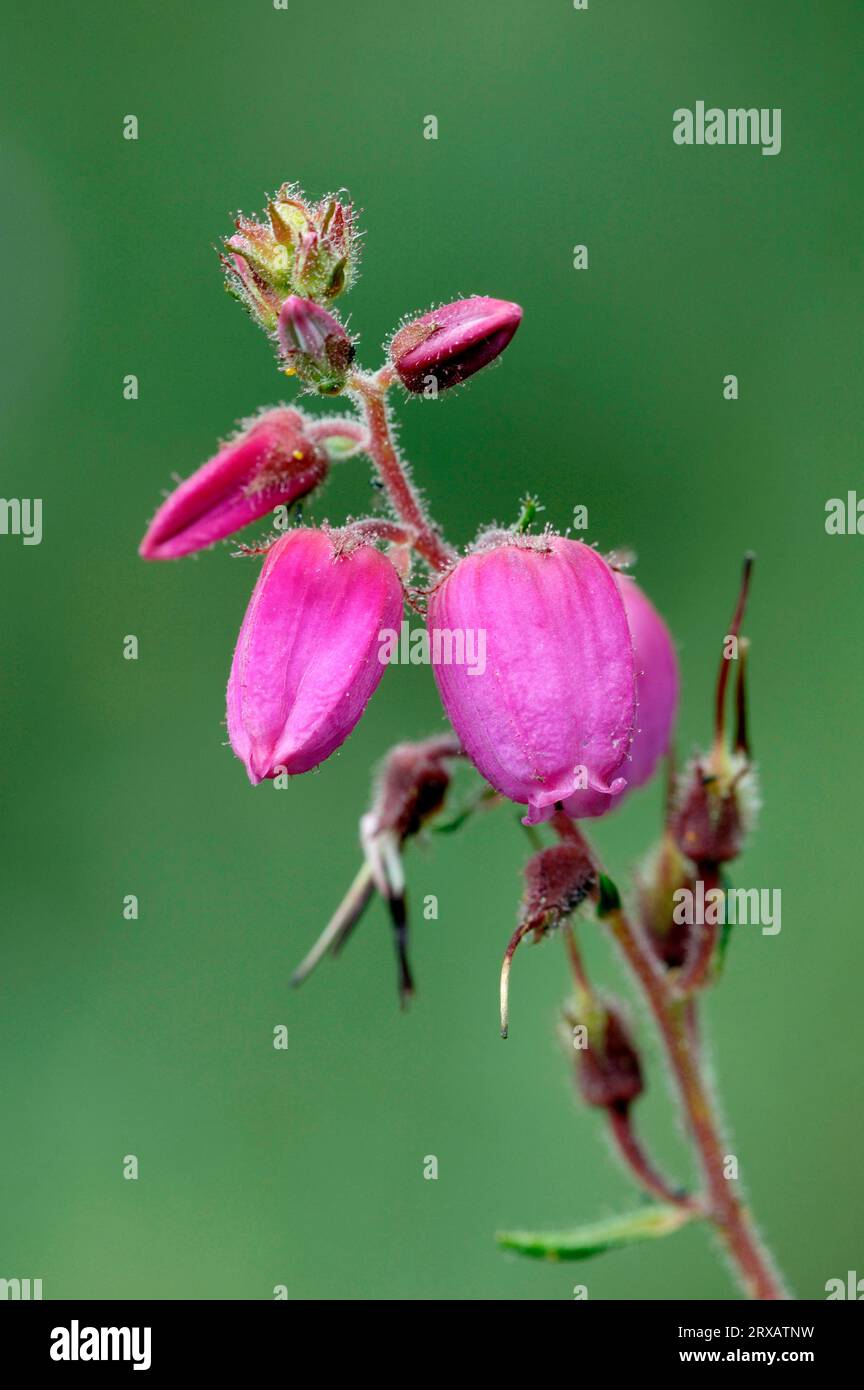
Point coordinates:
[(403, 496), (677, 1023), (700, 953), (630, 1148), (724, 1204), (338, 427), (634, 1155)]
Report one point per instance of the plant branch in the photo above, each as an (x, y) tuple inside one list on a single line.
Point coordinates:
[(700, 953), (640, 1165), (725, 1207), (676, 1023), (369, 391)]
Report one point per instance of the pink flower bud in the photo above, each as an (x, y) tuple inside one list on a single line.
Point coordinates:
[(304, 248), (307, 658), (550, 716), (314, 344), (453, 342), (270, 463)]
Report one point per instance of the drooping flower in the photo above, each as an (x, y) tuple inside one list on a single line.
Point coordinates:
[(307, 658), (450, 344), (270, 463), (551, 715), (656, 699), (656, 682)]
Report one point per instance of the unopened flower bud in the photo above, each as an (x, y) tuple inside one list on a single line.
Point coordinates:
[(246, 281), (270, 463), (607, 1067), (664, 874), (557, 879), (306, 663), (313, 344), (449, 344), (303, 248), (551, 715)]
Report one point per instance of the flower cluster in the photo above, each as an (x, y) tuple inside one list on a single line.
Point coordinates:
[(575, 702), (577, 697), (567, 704)]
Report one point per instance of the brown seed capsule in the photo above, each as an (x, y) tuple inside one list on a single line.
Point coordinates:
[(608, 1069)]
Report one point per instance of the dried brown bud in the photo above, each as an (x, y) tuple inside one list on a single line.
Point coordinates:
[(557, 880), (715, 812), (411, 788), (607, 1068)]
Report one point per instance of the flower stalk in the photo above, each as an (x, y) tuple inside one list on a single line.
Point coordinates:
[(370, 392), (675, 1019)]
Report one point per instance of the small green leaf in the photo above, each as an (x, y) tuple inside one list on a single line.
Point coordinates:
[(579, 1244), (455, 822), (610, 898), (464, 813)]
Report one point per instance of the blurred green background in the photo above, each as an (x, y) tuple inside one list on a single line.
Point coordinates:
[(304, 1167)]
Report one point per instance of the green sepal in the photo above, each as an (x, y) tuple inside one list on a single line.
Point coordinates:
[(609, 899)]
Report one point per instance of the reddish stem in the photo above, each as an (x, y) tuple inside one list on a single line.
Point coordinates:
[(629, 1146), (342, 428), (403, 496), (723, 673), (700, 951), (634, 1155), (676, 1023), (725, 1206), (574, 956), (379, 529)]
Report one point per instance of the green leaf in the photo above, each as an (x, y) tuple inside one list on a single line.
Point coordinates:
[(459, 817), (455, 822), (645, 1224)]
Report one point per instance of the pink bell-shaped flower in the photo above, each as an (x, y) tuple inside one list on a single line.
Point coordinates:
[(550, 716), (656, 683), (308, 656), (271, 463), (656, 699)]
